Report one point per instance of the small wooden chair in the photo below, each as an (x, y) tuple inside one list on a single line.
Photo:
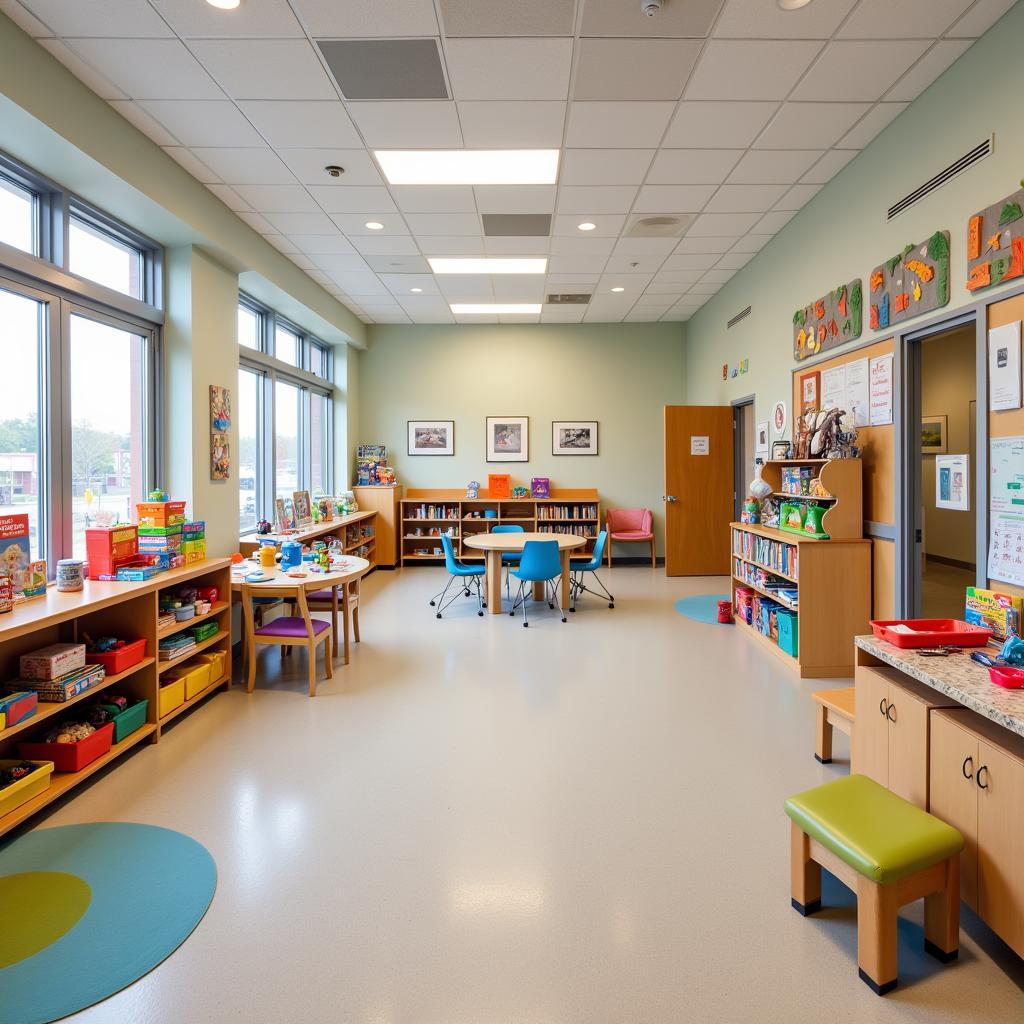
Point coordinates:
[(286, 631), (327, 601), (835, 711)]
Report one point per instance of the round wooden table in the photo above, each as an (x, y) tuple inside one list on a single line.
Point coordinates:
[(497, 544)]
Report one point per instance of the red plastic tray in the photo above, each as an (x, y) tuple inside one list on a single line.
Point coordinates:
[(1006, 677), (71, 757), (931, 633), (117, 661)]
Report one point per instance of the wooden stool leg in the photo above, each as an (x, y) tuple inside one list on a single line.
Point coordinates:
[(823, 736), (654, 560), (311, 648), (876, 934), (805, 874), (345, 611), (355, 623), (942, 916), (329, 656)]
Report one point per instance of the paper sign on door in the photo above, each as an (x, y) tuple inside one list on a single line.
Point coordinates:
[(700, 445)]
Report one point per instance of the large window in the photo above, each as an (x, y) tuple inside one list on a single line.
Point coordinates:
[(251, 451), (286, 346), (104, 258), (250, 327), (17, 216)]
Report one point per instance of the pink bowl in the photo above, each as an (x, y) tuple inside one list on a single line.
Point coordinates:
[(1008, 678)]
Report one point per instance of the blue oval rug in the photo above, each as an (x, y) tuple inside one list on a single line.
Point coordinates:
[(701, 607)]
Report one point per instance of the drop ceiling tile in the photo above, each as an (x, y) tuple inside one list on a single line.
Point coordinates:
[(773, 167), (644, 246), (518, 287), (192, 164), (692, 19), (641, 315), (393, 264), (408, 125), (577, 264), (107, 18), (282, 244), (26, 21), (256, 221), (303, 262), (883, 19), (150, 69), (671, 288), (690, 261), (810, 125), (797, 197), (705, 289), (617, 125), (402, 284), (500, 18), (940, 57), (308, 166), (605, 166), (265, 69), (559, 282), (848, 71), (272, 18), (317, 245), (451, 245), (582, 245), (278, 199), (303, 223), (980, 18), (434, 198), (355, 223), (288, 124), (879, 118), (608, 225), (515, 198), (828, 166), (381, 19), (528, 125), (714, 125), (146, 124), (772, 223), (595, 199), (706, 244), (424, 306), (229, 197), (633, 285), (692, 166), (203, 122), (468, 286), (672, 198), (745, 198), (717, 224), (246, 166), (443, 223), (509, 69), (606, 311), (717, 276), (755, 19), (752, 243), (386, 69), (339, 262), (517, 229), (678, 277), (385, 245), (735, 260), (653, 304), (607, 69), (356, 283), (740, 69), (354, 199)]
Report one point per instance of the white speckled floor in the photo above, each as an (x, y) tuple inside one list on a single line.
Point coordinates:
[(571, 824)]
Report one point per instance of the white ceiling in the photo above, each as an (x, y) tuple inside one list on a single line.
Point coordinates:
[(732, 112)]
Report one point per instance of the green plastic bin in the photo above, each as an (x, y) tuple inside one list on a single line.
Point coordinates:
[(129, 720)]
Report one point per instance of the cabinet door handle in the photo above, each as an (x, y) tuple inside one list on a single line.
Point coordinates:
[(891, 717), (982, 785), (883, 708), (968, 761)]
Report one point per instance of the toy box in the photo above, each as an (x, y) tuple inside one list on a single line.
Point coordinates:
[(71, 757), (106, 547), (16, 707), (56, 691), (22, 790), (999, 612), (787, 626), (160, 513), (53, 661), (119, 659)]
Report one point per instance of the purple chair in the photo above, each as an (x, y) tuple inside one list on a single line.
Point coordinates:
[(630, 526), (286, 631)]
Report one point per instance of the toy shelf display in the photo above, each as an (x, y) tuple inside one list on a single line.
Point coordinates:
[(426, 514), (127, 679), (800, 598), (835, 486), (357, 533)]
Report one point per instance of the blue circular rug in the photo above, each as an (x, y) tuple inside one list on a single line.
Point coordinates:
[(93, 908), (701, 607)]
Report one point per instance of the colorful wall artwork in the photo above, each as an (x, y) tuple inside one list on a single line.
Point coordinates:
[(995, 243), (914, 281), (220, 424), (831, 321)]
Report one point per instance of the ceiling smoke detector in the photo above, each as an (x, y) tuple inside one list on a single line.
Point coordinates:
[(334, 170), (658, 226), (650, 7)]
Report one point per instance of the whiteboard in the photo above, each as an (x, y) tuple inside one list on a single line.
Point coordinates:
[(1006, 469)]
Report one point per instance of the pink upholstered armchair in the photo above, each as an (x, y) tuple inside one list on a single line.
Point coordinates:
[(630, 526)]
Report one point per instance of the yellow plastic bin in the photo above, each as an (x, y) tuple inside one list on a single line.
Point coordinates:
[(20, 792), (216, 661), (194, 674), (172, 695)]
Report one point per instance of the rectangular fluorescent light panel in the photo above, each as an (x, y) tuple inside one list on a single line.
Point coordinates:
[(507, 308), (469, 166), (488, 265)]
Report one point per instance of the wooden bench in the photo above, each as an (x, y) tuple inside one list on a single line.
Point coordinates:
[(835, 711)]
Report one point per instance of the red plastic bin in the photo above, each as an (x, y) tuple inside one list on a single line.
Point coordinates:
[(119, 660), (71, 757), (931, 633)]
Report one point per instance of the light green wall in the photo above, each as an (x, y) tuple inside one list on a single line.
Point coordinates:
[(619, 374), (842, 233)]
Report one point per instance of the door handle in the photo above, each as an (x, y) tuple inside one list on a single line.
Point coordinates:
[(982, 785), (968, 761), (883, 708), (892, 717), (670, 498)]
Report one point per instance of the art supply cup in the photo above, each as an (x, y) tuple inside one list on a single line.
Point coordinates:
[(268, 555), (69, 575)]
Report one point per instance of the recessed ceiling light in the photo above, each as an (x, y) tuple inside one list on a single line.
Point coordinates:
[(487, 265), (793, 5), (619, 289), (469, 166), (507, 308), (225, 5), (374, 225), (586, 226), (416, 290)]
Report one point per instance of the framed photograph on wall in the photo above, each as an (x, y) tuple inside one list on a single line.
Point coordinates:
[(762, 439), (508, 438), (574, 437), (933, 435), (431, 437), (953, 482), (810, 388)]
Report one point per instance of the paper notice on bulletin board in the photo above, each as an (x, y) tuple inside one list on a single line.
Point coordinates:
[(880, 374), (833, 388), (1006, 474), (1006, 548), (857, 392)]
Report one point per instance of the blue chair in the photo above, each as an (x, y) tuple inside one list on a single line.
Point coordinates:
[(540, 563), (578, 568), (509, 558), (468, 577)]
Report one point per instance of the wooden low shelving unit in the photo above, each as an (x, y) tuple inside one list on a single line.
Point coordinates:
[(843, 479), (350, 530), (128, 610), (576, 509)]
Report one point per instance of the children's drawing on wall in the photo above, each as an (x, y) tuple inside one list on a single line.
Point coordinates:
[(833, 320), (220, 424), (995, 243), (912, 282)]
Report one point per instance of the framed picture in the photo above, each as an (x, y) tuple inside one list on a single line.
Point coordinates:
[(779, 419), (282, 518), (762, 438), (953, 482), (810, 388), (431, 437), (933, 435), (574, 437), (303, 509), (508, 438), (780, 450)]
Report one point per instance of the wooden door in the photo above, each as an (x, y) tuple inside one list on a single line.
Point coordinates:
[(908, 745), (698, 489), (1000, 782), (870, 749), (953, 794)]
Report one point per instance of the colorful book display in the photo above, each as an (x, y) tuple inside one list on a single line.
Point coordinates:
[(999, 612)]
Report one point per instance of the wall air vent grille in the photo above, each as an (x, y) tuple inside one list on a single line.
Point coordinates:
[(741, 315), (969, 159), (568, 299)]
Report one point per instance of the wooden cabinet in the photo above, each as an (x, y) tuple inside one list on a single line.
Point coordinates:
[(385, 501), (891, 736), (977, 785)]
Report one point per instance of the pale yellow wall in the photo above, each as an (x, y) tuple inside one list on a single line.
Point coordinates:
[(619, 374)]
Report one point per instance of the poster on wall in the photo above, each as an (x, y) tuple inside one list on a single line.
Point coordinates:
[(810, 387), (1004, 390), (912, 282), (857, 402), (1006, 474), (833, 388), (953, 482), (220, 424), (763, 444), (880, 390), (995, 243), (1006, 547), (833, 320)]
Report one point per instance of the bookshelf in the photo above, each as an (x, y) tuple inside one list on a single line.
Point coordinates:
[(842, 481), (433, 512)]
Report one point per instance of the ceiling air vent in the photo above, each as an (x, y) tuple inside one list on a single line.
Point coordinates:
[(969, 159), (741, 315), (568, 299), (659, 227)]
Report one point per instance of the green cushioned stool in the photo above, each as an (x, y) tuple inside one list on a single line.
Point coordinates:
[(887, 851)]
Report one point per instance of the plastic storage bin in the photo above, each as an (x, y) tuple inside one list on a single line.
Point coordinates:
[(71, 757), (931, 633), (216, 660), (128, 721), (194, 675), (172, 696), (204, 631), (788, 631), (123, 658), (20, 792)]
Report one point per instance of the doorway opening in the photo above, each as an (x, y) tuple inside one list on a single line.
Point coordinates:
[(744, 445)]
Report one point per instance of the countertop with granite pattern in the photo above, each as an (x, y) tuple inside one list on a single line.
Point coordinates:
[(958, 677)]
